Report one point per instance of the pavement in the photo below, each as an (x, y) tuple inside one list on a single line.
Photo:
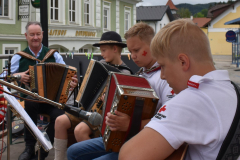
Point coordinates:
[(225, 63), (221, 63)]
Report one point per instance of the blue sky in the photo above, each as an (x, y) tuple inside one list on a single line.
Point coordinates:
[(163, 2)]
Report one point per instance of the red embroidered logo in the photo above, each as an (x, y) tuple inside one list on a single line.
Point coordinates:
[(159, 115), (172, 92), (144, 53), (162, 109), (193, 84)]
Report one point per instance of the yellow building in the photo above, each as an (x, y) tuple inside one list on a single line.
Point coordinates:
[(202, 23), (216, 29)]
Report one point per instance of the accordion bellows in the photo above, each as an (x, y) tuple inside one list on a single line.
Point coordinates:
[(52, 80), (93, 85)]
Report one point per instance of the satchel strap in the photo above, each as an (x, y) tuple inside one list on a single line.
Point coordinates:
[(26, 55), (121, 67), (48, 54), (126, 68), (230, 148)]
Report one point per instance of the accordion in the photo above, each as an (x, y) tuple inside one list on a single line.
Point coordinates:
[(92, 88), (52, 80), (133, 96)]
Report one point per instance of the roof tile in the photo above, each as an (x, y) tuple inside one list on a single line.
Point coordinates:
[(171, 5), (201, 22), (151, 12)]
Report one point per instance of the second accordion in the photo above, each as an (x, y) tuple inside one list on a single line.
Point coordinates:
[(133, 96), (52, 80)]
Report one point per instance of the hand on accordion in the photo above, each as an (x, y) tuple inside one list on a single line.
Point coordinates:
[(25, 78), (118, 121), (74, 82)]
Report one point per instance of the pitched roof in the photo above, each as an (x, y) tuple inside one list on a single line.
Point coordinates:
[(217, 10), (201, 22), (171, 5), (153, 13), (213, 9)]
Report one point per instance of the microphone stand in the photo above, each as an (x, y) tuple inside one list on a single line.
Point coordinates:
[(72, 110), (9, 116)]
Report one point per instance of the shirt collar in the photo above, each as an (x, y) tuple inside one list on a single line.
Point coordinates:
[(155, 64), (38, 54), (221, 75), (148, 75), (218, 75)]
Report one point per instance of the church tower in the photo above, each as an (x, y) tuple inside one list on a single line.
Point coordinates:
[(172, 7)]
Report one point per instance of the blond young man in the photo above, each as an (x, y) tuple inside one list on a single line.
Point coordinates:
[(138, 41), (111, 46), (197, 114)]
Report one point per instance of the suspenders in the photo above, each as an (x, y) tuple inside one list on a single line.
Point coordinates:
[(230, 148), (26, 55)]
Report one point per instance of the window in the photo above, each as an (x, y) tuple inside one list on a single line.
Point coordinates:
[(54, 9), (72, 12), (82, 50), (86, 11), (3, 7), (160, 26), (127, 18), (106, 16), (8, 51), (8, 12), (174, 12)]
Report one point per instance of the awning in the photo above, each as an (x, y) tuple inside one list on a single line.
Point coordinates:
[(235, 21)]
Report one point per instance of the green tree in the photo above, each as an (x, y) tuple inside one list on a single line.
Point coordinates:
[(204, 12), (198, 15), (184, 13)]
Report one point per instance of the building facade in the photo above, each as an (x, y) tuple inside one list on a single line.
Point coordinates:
[(155, 16), (216, 29), (73, 25)]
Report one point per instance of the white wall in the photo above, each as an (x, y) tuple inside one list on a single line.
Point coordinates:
[(156, 25), (165, 20)]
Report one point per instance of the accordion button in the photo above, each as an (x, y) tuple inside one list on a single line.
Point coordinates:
[(154, 100)]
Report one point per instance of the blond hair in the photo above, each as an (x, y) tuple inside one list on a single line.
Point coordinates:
[(181, 36), (142, 30)]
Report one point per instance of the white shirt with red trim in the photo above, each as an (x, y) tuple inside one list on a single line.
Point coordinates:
[(200, 115), (161, 87)]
